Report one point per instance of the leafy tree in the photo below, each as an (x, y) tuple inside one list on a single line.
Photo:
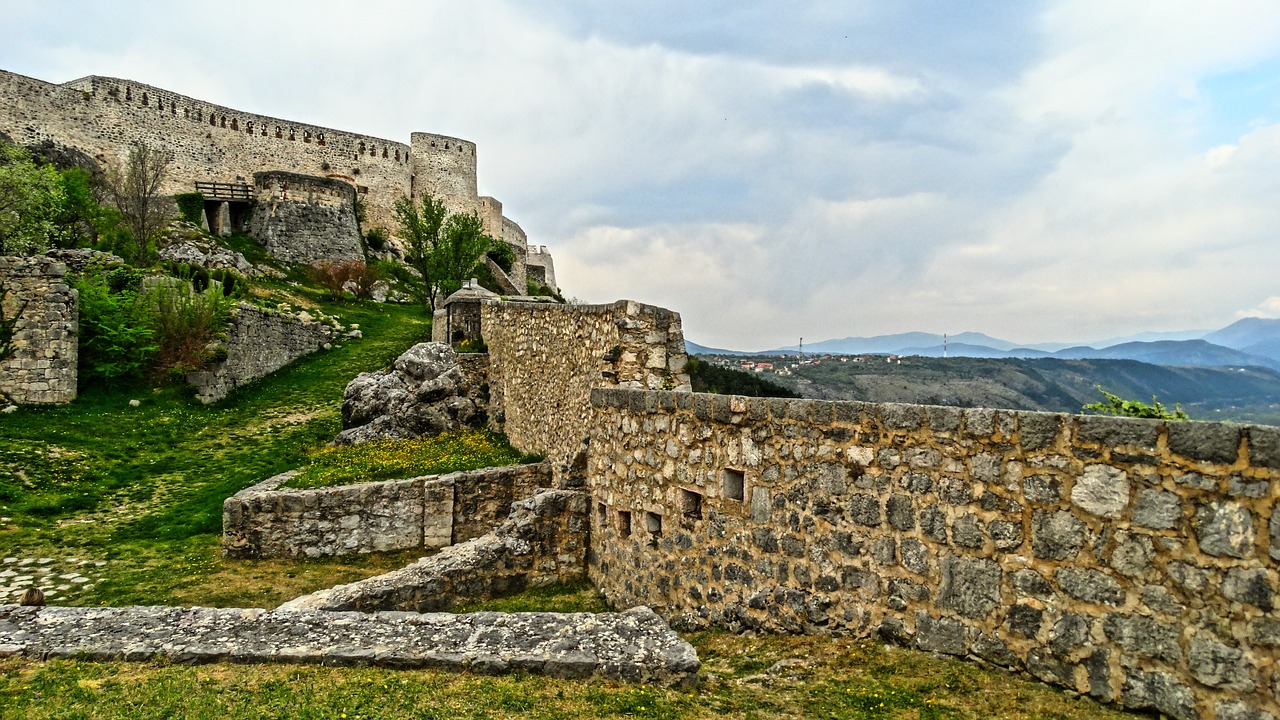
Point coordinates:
[(711, 378), (117, 343), (462, 244), (442, 248), (420, 228), (135, 190), (31, 199), (1116, 405)]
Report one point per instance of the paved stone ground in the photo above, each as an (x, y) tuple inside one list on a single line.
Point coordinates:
[(633, 646), (59, 579)]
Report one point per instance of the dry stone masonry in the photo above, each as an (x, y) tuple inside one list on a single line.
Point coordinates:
[(1131, 560), (429, 512), (543, 542), (632, 646), (305, 219), (259, 342), (39, 321), (544, 360)]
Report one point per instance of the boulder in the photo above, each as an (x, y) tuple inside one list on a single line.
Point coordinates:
[(425, 392)]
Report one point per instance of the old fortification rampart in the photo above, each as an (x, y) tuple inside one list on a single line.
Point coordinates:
[(1132, 560), (39, 321), (259, 342), (305, 219), (545, 358)]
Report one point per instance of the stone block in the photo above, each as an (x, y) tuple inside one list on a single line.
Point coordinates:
[(1157, 509), (1090, 585), (1208, 442), (979, 422), (1101, 490), (970, 586), (1264, 447), (1158, 691), (1057, 535), (1250, 586), (1113, 431), (941, 635), (1144, 636), (899, 416), (1224, 529), (1218, 665), (1038, 430)]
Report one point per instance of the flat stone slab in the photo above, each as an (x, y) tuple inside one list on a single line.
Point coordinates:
[(632, 646)]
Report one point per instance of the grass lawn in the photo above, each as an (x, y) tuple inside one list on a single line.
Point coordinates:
[(129, 500)]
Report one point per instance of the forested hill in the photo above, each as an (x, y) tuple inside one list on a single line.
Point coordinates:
[(1240, 394)]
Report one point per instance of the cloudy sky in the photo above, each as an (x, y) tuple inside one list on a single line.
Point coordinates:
[(1059, 170)]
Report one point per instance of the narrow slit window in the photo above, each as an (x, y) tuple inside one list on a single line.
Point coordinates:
[(624, 523), (653, 523), (602, 514), (691, 504), (734, 484)]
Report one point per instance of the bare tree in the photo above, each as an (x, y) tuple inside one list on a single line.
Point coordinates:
[(135, 190)]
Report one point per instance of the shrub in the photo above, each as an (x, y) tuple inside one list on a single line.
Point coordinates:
[(376, 238), (501, 253), (190, 206), (117, 343), (186, 324), (1116, 405), (337, 278)]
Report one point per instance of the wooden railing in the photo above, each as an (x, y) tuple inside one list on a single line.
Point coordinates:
[(232, 192)]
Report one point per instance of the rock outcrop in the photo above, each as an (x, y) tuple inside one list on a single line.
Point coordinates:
[(426, 392)]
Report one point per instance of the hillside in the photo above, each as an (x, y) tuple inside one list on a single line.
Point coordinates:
[(1050, 384)]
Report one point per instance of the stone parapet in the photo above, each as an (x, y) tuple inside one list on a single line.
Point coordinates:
[(1131, 560), (429, 512), (632, 646)]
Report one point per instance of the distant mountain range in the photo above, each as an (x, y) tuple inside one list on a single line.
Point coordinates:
[(1247, 342)]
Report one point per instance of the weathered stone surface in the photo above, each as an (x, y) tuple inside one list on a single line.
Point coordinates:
[(1264, 447), (259, 342), (1145, 636), (1224, 529), (426, 392), (632, 646), (1211, 442), (1158, 691), (1117, 431), (1218, 665), (1236, 710), (1005, 535), (1056, 535), (207, 254), (1101, 490), (970, 586), (1070, 632), (1249, 586), (1025, 619), (900, 512), (967, 532), (941, 635), (1132, 554), (1042, 489), (1031, 582), (1089, 585), (1157, 509), (41, 368)]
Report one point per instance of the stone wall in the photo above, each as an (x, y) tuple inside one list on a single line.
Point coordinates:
[(631, 646), (305, 219), (42, 362), (544, 359), (1132, 560), (543, 542), (541, 267), (259, 342), (429, 512)]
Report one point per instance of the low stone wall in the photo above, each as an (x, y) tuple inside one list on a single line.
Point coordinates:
[(633, 646), (1131, 560), (259, 342), (544, 359), (40, 364), (543, 542), (428, 512)]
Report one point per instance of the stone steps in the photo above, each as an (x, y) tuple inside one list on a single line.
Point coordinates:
[(631, 646)]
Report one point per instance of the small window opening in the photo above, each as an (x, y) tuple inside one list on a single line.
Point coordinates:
[(691, 504), (624, 523), (734, 484), (602, 514), (653, 523)]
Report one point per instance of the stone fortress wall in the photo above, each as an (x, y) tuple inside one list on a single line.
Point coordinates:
[(305, 219), (1131, 560), (103, 116), (43, 312)]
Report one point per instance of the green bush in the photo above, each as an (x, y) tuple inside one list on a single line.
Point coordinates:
[(376, 239), (502, 253), (117, 343), (190, 206), (1116, 405), (186, 324)]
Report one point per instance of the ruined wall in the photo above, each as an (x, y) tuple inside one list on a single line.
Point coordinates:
[(514, 236), (42, 363), (430, 512), (305, 219), (1132, 560), (259, 342), (544, 359), (102, 116), (541, 267)]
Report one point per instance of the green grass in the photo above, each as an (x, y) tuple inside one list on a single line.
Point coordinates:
[(386, 459), (580, 597)]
